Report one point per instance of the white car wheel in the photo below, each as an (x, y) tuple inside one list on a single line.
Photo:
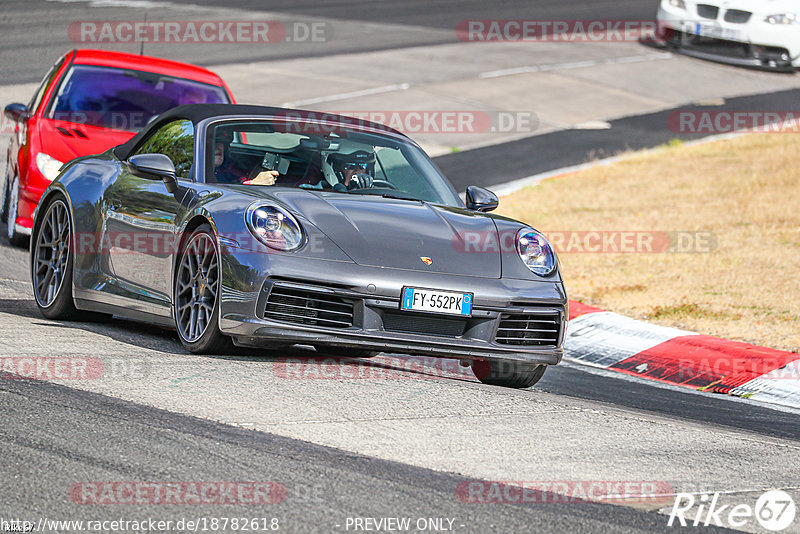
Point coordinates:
[(13, 203), (4, 196)]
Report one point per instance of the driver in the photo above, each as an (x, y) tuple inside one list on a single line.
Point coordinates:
[(354, 170)]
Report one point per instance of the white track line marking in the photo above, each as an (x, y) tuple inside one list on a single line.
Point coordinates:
[(574, 65), (484, 75), (592, 125), (139, 4), (345, 96)]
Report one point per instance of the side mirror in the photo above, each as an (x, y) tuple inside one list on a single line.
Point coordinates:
[(480, 199), (17, 112), (154, 167)]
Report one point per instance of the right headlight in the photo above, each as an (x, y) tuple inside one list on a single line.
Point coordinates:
[(782, 19), (48, 165), (274, 226), (680, 4), (536, 252)]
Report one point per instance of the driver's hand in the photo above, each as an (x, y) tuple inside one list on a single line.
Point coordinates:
[(360, 181), (264, 178)]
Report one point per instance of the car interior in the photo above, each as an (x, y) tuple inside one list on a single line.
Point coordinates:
[(305, 161)]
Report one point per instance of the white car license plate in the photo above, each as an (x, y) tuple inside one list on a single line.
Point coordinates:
[(435, 301), (718, 32)]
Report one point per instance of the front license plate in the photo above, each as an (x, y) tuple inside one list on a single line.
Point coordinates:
[(435, 301), (718, 32)]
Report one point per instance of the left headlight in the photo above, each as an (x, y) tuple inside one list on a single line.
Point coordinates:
[(536, 252), (782, 19), (274, 226), (48, 165)]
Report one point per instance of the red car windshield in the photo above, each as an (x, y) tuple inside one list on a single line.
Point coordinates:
[(124, 99)]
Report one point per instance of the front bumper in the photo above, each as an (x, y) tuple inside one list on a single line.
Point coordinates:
[(755, 44), (375, 297)]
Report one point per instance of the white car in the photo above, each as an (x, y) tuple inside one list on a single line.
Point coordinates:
[(752, 33)]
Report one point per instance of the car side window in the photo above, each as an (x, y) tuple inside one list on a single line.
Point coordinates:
[(47, 81), (176, 140)]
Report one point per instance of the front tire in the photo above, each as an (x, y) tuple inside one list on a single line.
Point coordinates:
[(196, 294), (51, 262), (15, 238), (4, 195), (508, 373)]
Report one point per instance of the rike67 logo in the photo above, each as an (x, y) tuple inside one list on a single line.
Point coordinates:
[(774, 510)]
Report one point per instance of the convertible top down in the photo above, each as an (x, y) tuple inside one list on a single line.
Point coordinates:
[(268, 227)]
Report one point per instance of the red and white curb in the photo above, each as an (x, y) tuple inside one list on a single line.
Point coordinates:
[(614, 342)]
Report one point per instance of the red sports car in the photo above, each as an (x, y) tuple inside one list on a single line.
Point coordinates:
[(90, 101)]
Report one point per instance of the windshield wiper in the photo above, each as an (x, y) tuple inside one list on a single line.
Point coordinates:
[(401, 197)]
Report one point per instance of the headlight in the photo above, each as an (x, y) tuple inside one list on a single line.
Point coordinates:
[(536, 252), (680, 4), (274, 226), (782, 18), (48, 165)]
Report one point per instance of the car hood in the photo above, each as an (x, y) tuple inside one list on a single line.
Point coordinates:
[(399, 234), (65, 140)]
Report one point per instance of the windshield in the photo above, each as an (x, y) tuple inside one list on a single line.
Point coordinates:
[(124, 99), (321, 157)]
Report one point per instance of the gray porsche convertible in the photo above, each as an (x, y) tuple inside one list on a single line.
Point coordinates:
[(265, 227)]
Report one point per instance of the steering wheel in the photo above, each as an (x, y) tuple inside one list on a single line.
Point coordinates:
[(383, 184)]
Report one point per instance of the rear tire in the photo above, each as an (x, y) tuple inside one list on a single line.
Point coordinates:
[(508, 373), (195, 304)]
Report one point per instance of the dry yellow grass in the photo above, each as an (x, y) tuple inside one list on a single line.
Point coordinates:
[(746, 191)]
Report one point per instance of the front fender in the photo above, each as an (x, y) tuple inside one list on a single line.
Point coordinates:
[(225, 211), (83, 183)]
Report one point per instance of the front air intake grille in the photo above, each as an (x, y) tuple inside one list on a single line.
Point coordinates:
[(737, 16), (301, 306), (708, 12), (409, 323), (540, 329)]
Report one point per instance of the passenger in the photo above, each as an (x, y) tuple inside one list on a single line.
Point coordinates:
[(227, 171)]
